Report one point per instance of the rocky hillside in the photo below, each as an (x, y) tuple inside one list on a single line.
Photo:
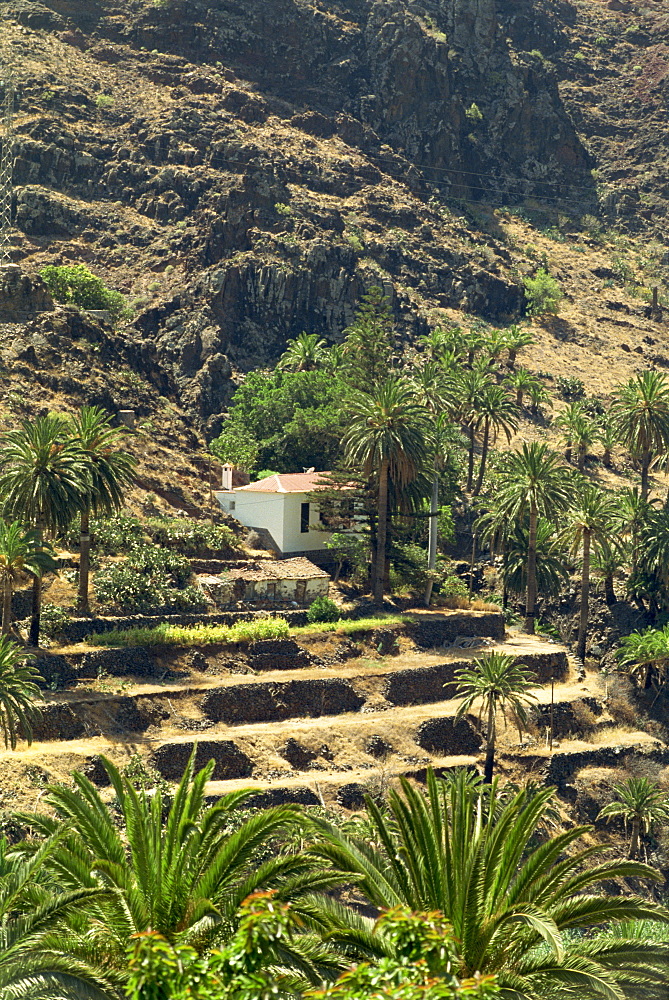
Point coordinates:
[(243, 171)]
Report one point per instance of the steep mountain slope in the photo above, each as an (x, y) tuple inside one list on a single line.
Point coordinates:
[(244, 171)]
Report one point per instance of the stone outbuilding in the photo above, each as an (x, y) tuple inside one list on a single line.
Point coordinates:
[(281, 580)]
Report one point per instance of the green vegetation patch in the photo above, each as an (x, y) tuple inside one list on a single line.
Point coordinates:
[(76, 284), (194, 635)]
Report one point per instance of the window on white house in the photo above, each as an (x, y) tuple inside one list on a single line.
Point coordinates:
[(304, 518)]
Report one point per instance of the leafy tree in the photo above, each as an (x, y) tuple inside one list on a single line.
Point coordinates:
[(497, 682), (109, 471), (542, 293), (18, 693), (640, 802), (496, 412), (43, 482), (21, 551), (532, 481), (386, 440), (236, 445), (75, 283), (517, 337), (590, 522), (640, 414), (520, 910), (369, 343), (304, 353), (296, 419), (346, 548)]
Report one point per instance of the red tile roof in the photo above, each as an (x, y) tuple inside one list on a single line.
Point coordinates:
[(292, 482)]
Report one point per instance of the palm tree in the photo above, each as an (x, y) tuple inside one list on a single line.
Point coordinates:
[(590, 522), (633, 513), (608, 438), (469, 388), (538, 395), (640, 414), (570, 421), (387, 439), (585, 435), (497, 681), (303, 354), (523, 382), (608, 559), (517, 337), (35, 962), (21, 551), (110, 471), (18, 693), (43, 482), (496, 411), (532, 480), (552, 572), (520, 910), (640, 802), (173, 865)]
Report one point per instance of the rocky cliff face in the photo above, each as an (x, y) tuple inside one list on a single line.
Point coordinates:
[(246, 170)]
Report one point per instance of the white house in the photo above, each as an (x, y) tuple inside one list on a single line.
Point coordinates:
[(281, 507)]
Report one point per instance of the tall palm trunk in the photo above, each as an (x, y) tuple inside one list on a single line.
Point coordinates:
[(84, 561), (484, 456), (567, 451), (490, 745), (519, 398), (470, 466), (513, 351), (607, 458), (634, 842), (581, 458), (432, 537), (36, 613), (609, 592), (585, 596), (381, 534), (531, 597), (7, 592), (645, 467)]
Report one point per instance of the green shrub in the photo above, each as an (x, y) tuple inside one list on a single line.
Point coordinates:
[(53, 620), (75, 283), (542, 292), (570, 387), (453, 586), (193, 538), (322, 609), (111, 536), (150, 577), (104, 101), (474, 113)]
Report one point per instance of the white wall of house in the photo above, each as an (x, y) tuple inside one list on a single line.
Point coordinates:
[(256, 510), (294, 539), (278, 513)]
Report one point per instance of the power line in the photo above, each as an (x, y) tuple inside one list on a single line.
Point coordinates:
[(7, 125)]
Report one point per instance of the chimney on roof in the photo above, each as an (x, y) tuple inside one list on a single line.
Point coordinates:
[(226, 478)]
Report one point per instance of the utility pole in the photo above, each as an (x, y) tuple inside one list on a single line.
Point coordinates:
[(6, 157)]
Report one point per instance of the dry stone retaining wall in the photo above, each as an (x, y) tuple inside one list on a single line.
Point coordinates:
[(271, 702), (229, 761)]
